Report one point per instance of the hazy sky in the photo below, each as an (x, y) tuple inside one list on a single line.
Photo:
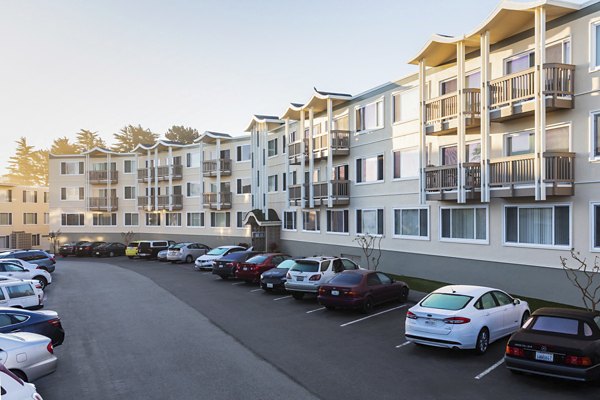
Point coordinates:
[(100, 65)]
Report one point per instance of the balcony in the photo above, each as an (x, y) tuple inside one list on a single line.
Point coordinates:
[(340, 144), (211, 200), (103, 177), (441, 113), (295, 151), (211, 167), (162, 172), (340, 194), (103, 203), (512, 96), (150, 203), (441, 183)]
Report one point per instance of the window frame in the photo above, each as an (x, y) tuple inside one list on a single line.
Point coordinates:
[(283, 225), (275, 148), (485, 241), (134, 193), (131, 213), (533, 245), (133, 164), (72, 213), (317, 221), (97, 215), (594, 139), (397, 95), (35, 218), (593, 204), (241, 153), (160, 222), (202, 216), (594, 25), (365, 157), (170, 215), (411, 237), (79, 164), (276, 180), (362, 210), (393, 160), (237, 214), (332, 210), (10, 218), (365, 105)]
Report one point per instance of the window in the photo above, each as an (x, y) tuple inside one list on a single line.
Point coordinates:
[(449, 155), (595, 226), (129, 166), (370, 116), (71, 219), (30, 218), (337, 221), (289, 220), (411, 223), (23, 290), (311, 221), (195, 219), (557, 139), (173, 219), (272, 147), (192, 160), (595, 44), (369, 221), (519, 143), (558, 52), (473, 80), (46, 218), (71, 193), (448, 86), (132, 219), (464, 224), (595, 139), (473, 151), (283, 145), (220, 219), (239, 219), (369, 169), (193, 189), (5, 195), (341, 123), (30, 196), (35, 239), (283, 181), (545, 226), (71, 168), (340, 173), (243, 153), (243, 185), (405, 105), (272, 183), (152, 219), (104, 219), (46, 197), (406, 163), (129, 192), (5, 218)]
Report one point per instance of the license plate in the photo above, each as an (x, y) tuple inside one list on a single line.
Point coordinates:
[(98, 253), (300, 278), (270, 285), (430, 322), (335, 292), (541, 356), (245, 268), (221, 266)]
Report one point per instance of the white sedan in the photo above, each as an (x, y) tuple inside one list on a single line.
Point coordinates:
[(465, 317), (19, 269), (13, 388), (207, 261)]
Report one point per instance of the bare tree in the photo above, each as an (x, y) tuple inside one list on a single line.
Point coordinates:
[(371, 248), (127, 236), (583, 276)]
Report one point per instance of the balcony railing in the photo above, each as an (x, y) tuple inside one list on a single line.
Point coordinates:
[(441, 110), (508, 171), (295, 151), (211, 200), (162, 172), (446, 177), (340, 192), (210, 167), (340, 140), (102, 203), (165, 202), (103, 176), (520, 87)]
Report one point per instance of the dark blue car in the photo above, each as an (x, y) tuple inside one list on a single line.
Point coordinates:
[(46, 323), (274, 279)]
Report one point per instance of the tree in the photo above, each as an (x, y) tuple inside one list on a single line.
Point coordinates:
[(87, 140), (130, 136), (127, 236), (28, 166), (583, 276), (40, 167), (63, 145), (182, 134), (371, 248)]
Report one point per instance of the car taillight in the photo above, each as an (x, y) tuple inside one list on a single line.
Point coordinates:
[(457, 320), (230, 265), (315, 277), (514, 351), (38, 286), (55, 322), (322, 290), (411, 315), (578, 361), (352, 294), (50, 348), (288, 276)]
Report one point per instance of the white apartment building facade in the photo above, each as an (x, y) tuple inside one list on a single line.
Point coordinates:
[(483, 168), (24, 217)]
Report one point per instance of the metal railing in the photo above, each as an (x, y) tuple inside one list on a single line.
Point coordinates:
[(101, 203), (507, 171), (446, 107), (210, 167), (162, 172), (174, 201), (103, 176), (211, 200)]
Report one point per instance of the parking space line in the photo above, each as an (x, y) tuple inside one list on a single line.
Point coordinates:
[(490, 369), (403, 344), (255, 290), (281, 298), (239, 283), (315, 310), (372, 315)]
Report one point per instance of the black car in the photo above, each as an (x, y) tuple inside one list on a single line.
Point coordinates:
[(557, 342), (87, 249), (110, 250), (227, 266), (274, 279), (45, 323), (68, 249)]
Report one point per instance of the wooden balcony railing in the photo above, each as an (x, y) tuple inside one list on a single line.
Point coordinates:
[(340, 140), (174, 201), (210, 168), (211, 200), (446, 107), (295, 149), (162, 172), (508, 171), (340, 191), (102, 203), (295, 192), (518, 87), (103, 176), (446, 177)]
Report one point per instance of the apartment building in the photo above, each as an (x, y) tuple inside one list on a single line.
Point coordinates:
[(24, 217), (481, 168)]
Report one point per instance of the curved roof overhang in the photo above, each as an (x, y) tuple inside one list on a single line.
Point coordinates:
[(318, 103), (211, 137), (99, 151), (508, 19), (160, 145), (270, 120)]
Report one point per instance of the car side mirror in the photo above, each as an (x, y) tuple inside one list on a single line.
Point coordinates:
[(516, 302)]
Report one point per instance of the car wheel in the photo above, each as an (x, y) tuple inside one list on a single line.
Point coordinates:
[(42, 281), (189, 259), (525, 318), (367, 306), (404, 294), (483, 341), (298, 295)]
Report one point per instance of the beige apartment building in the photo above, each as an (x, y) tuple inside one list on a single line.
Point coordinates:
[(482, 168), (24, 217)]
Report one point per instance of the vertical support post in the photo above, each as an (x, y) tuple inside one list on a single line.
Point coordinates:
[(137, 181), (329, 173), (86, 169), (485, 117), (149, 165), (460, 105), (170, 166), (287, 164), (302, 161), (263, 166), (422, 130), (201, 150), (542, 98), (156, 178), (218, 159), (311, 158), (108, 184)]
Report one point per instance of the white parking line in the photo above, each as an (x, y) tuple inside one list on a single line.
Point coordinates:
[(255, 290), (403, 344), (239, 283), (490, 369), (281, 298), (315, 310), (372, 315)]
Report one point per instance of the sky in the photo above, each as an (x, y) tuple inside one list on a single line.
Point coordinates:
[(67, 65)]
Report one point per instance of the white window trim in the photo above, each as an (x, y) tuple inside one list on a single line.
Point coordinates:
[(440, 153), (410, 237), (138, 214), (72, 213), (243, 161), (242, 179), (295, 211), (532, 50), (318, 217), (11, 218), (539, 246), (441, 83), (486, 241), (568, 124), (594, 24), (111, 224), (133, 170), (77, 174), (134, 197), (187, 225), (370, 209), (377, 128), (153, 226), (181, 225), (71, 187), (276, 148), (193, 196), (408, 178), (591, 216), (337, 233), (356, 182), (28, 223), (243, 226), (399, 93), (276, 180), (593, 157), (44, 217)]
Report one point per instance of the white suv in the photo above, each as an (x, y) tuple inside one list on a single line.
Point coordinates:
[(21, 293), (308, 274)]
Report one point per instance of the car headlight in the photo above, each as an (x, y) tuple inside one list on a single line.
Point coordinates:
[(262, 276)]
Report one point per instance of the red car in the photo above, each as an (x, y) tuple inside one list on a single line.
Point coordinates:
[(251, 269), (361, 289)]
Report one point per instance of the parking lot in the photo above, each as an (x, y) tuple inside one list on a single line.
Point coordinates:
[(144, 329)]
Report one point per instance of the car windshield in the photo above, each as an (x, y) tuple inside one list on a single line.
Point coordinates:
[(133, 244), (285, 265), (446, 301), (100, 246), (565, 326), (218, 251), (257, 259), (346, 279), (178, 246), (305, 266)]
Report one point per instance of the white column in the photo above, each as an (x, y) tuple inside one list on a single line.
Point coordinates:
[(108, 184), (329, 173), (170, 164), (201, 150), (218, 174), (311, 158), (263, 166), (302, 161), (86, 169), (422, 131), (287, 163), (460, 105), (540, 111), (156, 178), (485, 116), (137, 182), (149, 177)]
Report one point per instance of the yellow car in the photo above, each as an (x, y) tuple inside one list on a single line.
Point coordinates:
[(132, 249)]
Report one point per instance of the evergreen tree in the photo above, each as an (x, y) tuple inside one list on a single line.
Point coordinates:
[(130, 136), (63, 145), (182, 134), (20, 166), (40, 167), (87, 140)]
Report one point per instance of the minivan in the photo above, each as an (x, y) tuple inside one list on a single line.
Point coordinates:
[(150, 248), (21, 293)]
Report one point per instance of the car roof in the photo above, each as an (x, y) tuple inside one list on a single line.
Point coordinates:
[(566, 312), (468, 290), (316, 258), (231, 247)]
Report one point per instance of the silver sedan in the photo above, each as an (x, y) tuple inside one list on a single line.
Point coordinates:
[(186, 252), (28, 355)]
